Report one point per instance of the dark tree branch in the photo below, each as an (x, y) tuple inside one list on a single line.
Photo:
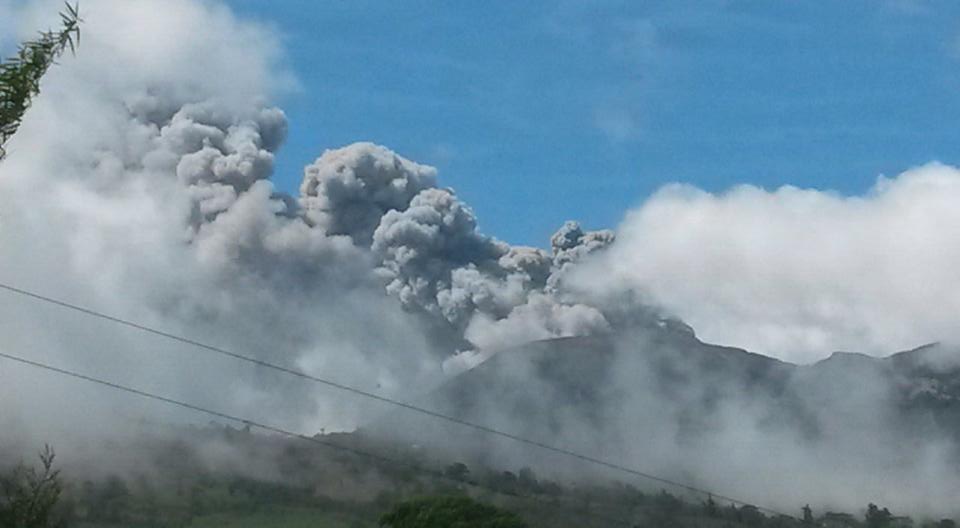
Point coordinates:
[(20, 75)]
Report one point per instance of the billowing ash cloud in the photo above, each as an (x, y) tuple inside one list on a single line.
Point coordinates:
[(347, 191), (139, 185), (798, 273), (431, 257), (427, 252), (571, 244)]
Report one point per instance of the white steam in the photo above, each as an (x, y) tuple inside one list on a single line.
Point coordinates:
[(797, 273)]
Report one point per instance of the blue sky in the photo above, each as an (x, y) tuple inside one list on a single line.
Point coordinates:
[(538, 112)]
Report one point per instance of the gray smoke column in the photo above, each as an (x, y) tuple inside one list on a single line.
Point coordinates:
[(431, 257), (347, 191), (571, 244), (139, 185)]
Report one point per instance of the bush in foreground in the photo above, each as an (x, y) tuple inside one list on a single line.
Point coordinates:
[(449, 512)]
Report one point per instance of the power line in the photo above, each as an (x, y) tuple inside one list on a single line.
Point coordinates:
[(383, 399), (292, 434)]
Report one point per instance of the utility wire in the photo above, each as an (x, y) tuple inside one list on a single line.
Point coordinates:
[(383, 399), (300, 436)]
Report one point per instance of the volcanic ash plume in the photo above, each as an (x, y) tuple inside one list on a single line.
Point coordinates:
[(139, 185), (430, 256)]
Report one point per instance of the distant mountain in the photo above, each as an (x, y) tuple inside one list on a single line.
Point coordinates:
[(661, 386)]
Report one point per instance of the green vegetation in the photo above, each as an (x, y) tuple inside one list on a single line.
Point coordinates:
[(281, 518), (28, 496), (20, 75), (286, 483), (449, 512), (877, 518)]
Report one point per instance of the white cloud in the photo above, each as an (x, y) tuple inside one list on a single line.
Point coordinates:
[(798, 273)]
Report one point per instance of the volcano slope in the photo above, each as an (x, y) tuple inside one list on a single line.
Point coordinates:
[(847, 429)]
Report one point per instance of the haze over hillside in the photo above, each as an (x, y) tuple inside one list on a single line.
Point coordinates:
[(139, 186), (844, 429)]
